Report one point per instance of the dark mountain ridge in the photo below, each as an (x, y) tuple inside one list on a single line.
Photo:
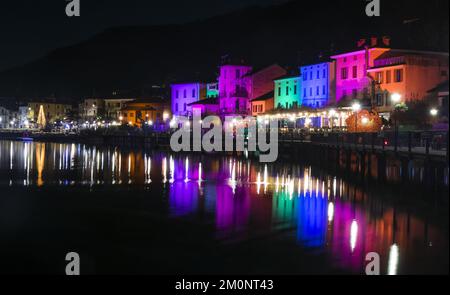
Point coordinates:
[(132, 59)]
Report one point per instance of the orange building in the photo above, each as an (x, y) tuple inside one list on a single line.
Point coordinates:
[(263, 104), (408, 74), (151, 111)]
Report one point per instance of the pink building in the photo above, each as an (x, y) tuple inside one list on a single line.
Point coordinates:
[(239, 84), (352, 78)]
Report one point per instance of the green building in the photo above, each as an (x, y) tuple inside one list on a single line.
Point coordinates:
[(287, 92)]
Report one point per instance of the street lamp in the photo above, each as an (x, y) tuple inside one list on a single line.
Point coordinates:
[(356, 107), (332, 115), (396, 99), (434, 112)]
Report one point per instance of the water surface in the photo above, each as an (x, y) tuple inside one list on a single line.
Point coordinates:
[(158, 213)]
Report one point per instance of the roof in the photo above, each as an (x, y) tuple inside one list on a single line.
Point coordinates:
[(260, 69), (442, 87), (136, 108), (264, 97), (287, 77), (359, 51), (208, 101), (155, 99)]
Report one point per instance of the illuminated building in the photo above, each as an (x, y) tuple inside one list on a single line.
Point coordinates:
[(352, 79), (182, 95), (151, 111), (113, 107), (318, 85), (287, 92), (239, 84), (53, 111), (263, 104), (91, 109), (409, 74)]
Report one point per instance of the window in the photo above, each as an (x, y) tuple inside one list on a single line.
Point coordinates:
[(237, 74), (295, 89), (176, 107), (279, 91), (184, 107), (380, 99), (344, 73), (193, 93), (355, 57), (355, 72), (317, 90), (310, 75), (304, 92), (184, 93), (388, 77), (318, 75), (324, 73), (287, 90), (305, 76), (310, 92), (399, 75), (345, 59), (379, 77), (260, 107), (287, 105), (324, 90)]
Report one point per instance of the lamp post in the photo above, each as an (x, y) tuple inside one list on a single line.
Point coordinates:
[(356, 107), (396, 99)]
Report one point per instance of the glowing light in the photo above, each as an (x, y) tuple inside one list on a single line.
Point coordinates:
[(121, 118), (165, 116), (396, 98), (393, 260), (434, 112), (332, 113), (365, 120), (330, 212), (356, 107)]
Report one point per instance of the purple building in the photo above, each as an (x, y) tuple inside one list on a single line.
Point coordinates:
[(185, 94), (240, 84)]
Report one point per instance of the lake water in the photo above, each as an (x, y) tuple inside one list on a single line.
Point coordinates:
[(133, 212)]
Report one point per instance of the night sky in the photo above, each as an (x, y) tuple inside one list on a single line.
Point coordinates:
[(29, 29)]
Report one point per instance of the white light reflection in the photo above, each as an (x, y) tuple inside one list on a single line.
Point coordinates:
[(330, 212), (393, 260)]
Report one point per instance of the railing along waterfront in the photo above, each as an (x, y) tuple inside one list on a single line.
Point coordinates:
[(427, 143)]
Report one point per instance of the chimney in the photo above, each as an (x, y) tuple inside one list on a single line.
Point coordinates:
[(386, 41), (361, 43), (373, 41)]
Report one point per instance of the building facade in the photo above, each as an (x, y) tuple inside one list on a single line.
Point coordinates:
[(318, 84), (287, 92), (113, 107), (408, 74), (182, 95), (263, 104), (92, 109), (52, 111), (151, 111), (352, 79), (239, 85), (212, 90)]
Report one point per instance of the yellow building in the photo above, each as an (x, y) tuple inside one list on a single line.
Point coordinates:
[(53, 111), (151, 111)]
